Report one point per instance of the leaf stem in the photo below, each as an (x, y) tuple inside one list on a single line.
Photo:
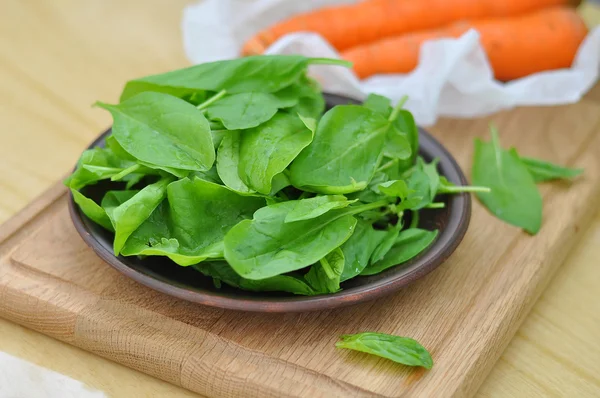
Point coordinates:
[(371, 206), (212, 99), (414, 222), (436, 205), (330, 61), (125, 172), (327, 268), (397, 108), (459, 189), (387, 165)]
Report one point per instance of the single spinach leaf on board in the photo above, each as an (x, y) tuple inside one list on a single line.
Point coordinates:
[(267, 246), (129, 215), (265, 73), (268, 149), (190, 225), (543, 171), (410, 243), (344, 154), (306, 209), (92, 210), (324, 276), (359, 248), (289, 283), (514, 197), (162, 130), (403, 350), (244, 110), (94, 165)]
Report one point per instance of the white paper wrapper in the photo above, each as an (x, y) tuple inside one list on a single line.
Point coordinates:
[(453, 77)]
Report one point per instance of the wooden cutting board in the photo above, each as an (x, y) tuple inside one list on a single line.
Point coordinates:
[(465, 312)]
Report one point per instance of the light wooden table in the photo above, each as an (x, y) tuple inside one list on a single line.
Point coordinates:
[(57, 57)]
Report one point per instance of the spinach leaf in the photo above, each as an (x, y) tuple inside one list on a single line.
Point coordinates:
[(387, 242), (379, 103), (95, 165), (92, 210), (344, 154), (409, 244), (403, 350), (265, 73), (190, 225), (324, 277), (129, 215), (405, 123), (514, 196), (228, 160), (244, 110), (306, 209), (359, 248), (268, 149), (289, 283), (162, 130), (268, 246), (543, 171)]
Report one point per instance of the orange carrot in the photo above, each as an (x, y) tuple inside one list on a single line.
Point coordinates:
[(347, 26), (516, 47)]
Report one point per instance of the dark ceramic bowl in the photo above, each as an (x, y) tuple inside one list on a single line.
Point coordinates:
[(161, 274)]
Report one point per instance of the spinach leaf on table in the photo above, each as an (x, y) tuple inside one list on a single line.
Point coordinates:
[(543, 171), (514, 196), (223, 272), (162, 130), (190, 225), (403, 350), (324, 276), (265, 73), (268, 246), (407, 245)]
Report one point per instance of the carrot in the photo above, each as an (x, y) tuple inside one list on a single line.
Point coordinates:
[(516, 47), (347, 26)]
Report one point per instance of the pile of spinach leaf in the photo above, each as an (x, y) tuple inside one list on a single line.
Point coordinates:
[(234, 168)]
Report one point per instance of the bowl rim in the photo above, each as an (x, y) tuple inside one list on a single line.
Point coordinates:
[(386, 283)]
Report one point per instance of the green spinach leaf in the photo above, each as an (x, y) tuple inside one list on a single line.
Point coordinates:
[(306, 209), (244, 110), (403, 350), (267, 246), (265, 74), (514, 196), (409, 243), (289, 283), (92, 210), (190, 225), (324, 277), (162, 130), (129, 215), (359, 248), (543, 171)]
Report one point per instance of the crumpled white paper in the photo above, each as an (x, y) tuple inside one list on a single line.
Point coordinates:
[(453, 77)]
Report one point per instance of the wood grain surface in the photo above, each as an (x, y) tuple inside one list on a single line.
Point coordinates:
[(59, 57)]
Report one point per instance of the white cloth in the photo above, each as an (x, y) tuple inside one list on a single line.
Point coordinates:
[(453, 77), (21, 379)]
